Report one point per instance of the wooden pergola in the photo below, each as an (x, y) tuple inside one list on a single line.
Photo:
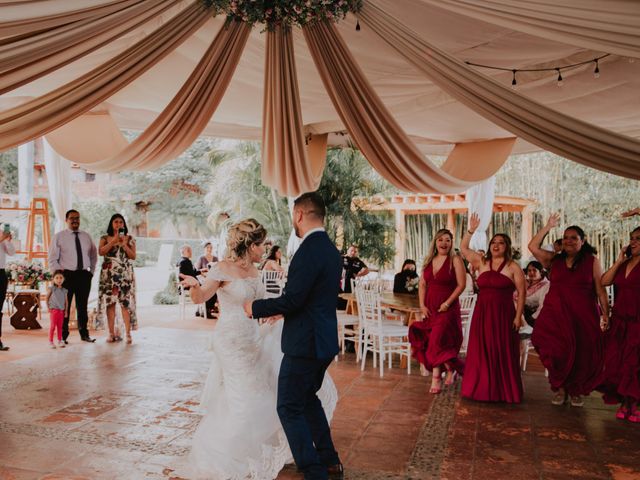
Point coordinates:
[(420, 204)]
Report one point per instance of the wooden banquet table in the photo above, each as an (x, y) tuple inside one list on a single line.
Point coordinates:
[(401, 302)]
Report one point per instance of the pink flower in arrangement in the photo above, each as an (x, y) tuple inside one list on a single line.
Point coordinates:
[(21, 278)]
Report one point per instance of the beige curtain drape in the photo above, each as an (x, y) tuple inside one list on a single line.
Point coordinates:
[(188, 113), (611, 26), (45, 14), (88, 139), (547, 128), (26, 59), (285, 165), (39, 116), (381, 140)]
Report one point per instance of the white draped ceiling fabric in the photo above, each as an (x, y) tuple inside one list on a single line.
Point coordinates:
[(120, 64)]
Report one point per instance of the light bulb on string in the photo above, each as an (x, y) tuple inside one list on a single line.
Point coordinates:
[(560, 82), (596, 71), (514, 84)]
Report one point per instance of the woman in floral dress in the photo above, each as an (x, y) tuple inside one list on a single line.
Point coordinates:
[(117, 280)]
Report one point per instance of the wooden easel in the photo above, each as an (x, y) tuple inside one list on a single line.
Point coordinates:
[(38, 208)]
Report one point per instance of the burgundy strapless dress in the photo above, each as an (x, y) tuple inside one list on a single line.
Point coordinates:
[(622, 340), (492, 367), (436, 340), (567, 335)]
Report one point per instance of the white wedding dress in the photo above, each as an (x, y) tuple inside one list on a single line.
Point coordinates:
[(240, 436)]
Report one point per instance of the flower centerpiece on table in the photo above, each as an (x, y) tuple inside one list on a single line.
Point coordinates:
[(412, 284), (287, 13), (27, 273)]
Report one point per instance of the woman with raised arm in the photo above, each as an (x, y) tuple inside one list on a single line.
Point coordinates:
[(492, 370), (622, 342), (436, 340), (568, 334)]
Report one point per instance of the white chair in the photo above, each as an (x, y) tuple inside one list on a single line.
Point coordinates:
[(182, 294), (273, 282), (380, 337), (467, 305)]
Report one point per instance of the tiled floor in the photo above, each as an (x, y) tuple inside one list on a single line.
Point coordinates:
[(112, 411)]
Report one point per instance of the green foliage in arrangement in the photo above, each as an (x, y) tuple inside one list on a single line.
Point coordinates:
[(274, 13)]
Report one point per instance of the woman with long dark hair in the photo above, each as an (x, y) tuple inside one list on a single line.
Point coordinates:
[(537, 288), (436, 340), (492, 370), (622, 342), (117, 280), (273, 260), (567, 335)]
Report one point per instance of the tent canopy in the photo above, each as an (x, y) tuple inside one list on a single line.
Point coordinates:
[(433, 120)]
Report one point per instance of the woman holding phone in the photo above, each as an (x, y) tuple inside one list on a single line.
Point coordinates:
[(622, 342), (117, 280)]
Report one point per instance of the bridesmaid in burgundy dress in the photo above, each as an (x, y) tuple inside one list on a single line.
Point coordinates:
[(492, 369), (622, 342), (568, 334), (436, 340)]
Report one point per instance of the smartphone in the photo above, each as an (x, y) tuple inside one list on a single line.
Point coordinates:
[(7, 228), (627, 252), (121, 232)]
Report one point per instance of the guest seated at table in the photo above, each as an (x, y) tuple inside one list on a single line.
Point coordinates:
[(187, 268), (537, 288), (405, 280), (202, 265), (273, 261)]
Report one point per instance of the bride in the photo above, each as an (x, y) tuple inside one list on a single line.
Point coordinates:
[(240, 436)]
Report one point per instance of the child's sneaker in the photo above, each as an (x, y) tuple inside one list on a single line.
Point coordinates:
[(52, 345), (60, 344)]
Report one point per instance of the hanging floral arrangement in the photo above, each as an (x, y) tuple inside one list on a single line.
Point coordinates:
[(287, 13)]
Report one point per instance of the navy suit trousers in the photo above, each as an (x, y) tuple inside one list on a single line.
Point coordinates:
[(302, 416)]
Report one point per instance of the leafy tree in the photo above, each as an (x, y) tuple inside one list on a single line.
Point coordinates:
[(94, 216), (237, 188), (584, 196), (9, 171), (348, 175), (175, 191)]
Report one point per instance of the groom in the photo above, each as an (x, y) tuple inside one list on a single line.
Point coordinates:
[(309, 340)]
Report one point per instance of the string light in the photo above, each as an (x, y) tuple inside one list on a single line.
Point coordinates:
[(558, 69)]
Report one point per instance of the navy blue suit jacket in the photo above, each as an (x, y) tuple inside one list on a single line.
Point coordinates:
[(309, 300)]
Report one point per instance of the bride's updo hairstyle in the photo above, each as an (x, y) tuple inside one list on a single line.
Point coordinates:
[(242, 235)]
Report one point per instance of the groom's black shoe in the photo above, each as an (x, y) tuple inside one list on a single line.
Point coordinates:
[(336, 472)]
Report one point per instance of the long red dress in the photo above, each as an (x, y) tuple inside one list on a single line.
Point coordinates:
[(492, 370), (436, 340), (622, 341), (567, 334)]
